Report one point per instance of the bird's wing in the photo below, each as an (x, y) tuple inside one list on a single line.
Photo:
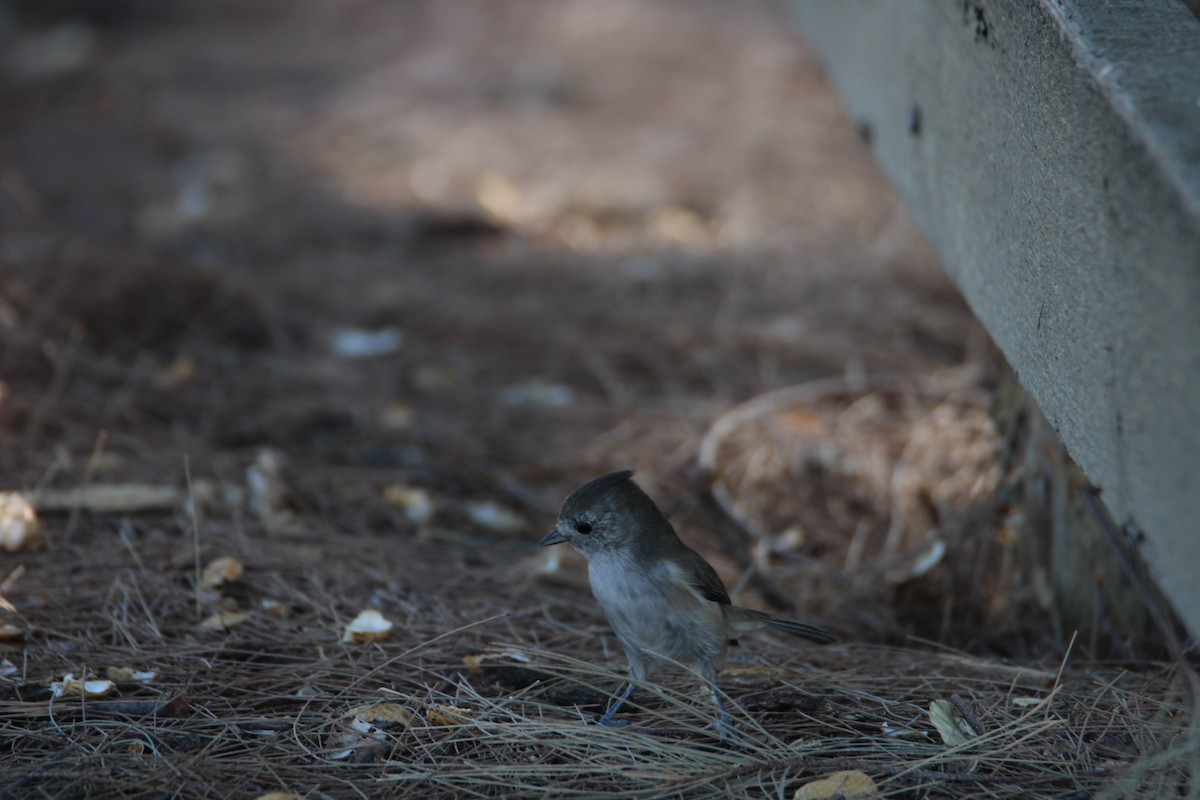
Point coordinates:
[(704, 579)]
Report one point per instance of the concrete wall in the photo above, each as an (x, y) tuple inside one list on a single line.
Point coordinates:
[(1050, 149)]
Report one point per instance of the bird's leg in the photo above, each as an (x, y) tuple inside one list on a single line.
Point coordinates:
[(723, 724), (725, 729), (607, 720), (637, 673)]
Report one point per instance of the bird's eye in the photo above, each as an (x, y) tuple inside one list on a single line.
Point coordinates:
[(583, 527)]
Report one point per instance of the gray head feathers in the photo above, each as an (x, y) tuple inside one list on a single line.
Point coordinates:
[(613, 513), (616, 495), (598, 490)]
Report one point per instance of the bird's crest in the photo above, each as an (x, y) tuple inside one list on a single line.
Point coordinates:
[(595, 490)]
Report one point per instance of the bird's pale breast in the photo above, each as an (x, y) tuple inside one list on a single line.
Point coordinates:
[(655, 609)]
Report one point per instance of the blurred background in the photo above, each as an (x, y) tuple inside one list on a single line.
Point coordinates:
[(372, 285)]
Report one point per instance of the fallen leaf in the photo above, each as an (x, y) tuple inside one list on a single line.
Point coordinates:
[(128, 675), (225, 619), (545, 563), (219, 571), (80, 687), (500, 198), (417, 504), (443, 715), (267, 497), (920, 565), (19, 525), (273, 607), (953, 729), (793, 538), (493, 516), (116, 498), (362, 728), (374, 718), (678, 224), (369, 626), (477, 661), (847, 785)]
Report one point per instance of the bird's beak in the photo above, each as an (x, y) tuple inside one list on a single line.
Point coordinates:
[(553, 537)]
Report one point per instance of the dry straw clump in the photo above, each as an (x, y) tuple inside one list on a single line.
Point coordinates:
[(953, 507)]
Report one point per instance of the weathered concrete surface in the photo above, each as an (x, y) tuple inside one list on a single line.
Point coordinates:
[(1051, 152)]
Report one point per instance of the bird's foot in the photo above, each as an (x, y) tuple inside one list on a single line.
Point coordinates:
[(608, 722), (613, 707), (725, 730)]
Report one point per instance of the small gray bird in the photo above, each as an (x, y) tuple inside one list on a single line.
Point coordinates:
[(660, 596)]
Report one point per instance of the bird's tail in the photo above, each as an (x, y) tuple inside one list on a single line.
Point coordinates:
[(747, 619)]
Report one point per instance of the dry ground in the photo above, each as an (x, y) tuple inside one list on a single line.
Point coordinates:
[(586, 232)]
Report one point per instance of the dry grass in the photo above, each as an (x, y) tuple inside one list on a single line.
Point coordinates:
[(263, 706)]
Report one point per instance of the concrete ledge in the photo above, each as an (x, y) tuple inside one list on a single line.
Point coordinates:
[(1050, 149)]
